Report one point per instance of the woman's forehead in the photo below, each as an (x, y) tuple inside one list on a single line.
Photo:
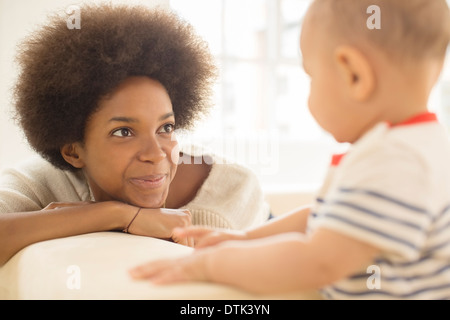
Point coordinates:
[(134, 98)]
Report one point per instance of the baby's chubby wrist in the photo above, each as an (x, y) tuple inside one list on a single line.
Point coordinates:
[(206, 263), (212, 262)]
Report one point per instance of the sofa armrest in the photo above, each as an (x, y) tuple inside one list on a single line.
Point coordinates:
[(94, 266)]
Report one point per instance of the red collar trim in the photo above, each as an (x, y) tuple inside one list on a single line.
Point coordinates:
[(417, 119), (420, 118), (336, 159)]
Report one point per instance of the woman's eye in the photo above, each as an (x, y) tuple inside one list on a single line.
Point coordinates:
[(168, 128), (122, 132)]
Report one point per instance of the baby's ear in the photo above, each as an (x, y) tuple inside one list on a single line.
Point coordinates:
[(356, 71), (71, 153)]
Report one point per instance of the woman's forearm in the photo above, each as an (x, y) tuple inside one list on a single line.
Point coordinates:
[(17, 230)]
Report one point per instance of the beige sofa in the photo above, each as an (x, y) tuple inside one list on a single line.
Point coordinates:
[(94, 266)]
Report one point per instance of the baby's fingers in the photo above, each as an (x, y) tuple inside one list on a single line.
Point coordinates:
[(191, 232), (159, 272), (148, 270), (186, 241)]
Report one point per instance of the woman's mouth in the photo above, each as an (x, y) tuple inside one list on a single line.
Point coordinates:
[(149, 182)]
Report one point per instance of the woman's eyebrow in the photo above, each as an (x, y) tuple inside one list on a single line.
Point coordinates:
[(123, 119), (131, 120), (167, 115)]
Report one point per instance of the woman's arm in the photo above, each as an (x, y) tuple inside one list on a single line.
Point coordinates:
[(18, 230)]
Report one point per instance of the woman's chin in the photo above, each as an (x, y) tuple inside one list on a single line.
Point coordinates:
[(148, 203)]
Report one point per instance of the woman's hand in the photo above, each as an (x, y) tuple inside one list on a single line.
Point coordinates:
[(160, 223), (206, 237)]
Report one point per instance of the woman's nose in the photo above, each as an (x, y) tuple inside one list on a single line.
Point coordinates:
[(151, 150)]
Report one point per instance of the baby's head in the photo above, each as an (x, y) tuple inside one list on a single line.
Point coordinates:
[(402, 29), (366, 56)]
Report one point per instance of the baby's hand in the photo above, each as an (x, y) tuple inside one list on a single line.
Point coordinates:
[(189, 268), (205, 237)]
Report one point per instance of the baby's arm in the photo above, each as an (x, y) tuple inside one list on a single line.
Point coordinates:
[(294, 221), (280, 263), (288, 262)]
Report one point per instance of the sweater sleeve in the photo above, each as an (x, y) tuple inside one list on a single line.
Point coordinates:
[(231, 197), (35, 183)]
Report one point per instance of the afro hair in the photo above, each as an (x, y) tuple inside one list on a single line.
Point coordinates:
[(65, 72)]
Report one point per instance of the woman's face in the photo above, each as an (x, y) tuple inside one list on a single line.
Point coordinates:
[(130, 152)]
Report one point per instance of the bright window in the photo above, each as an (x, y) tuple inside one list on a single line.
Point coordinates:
[(261, 117)]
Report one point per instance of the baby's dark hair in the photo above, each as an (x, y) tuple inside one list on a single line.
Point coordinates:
[(65, 72)]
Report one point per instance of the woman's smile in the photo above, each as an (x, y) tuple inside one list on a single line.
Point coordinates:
[(149, 182)]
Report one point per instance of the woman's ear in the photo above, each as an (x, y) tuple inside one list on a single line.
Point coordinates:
[(71, 153), (356, 71)]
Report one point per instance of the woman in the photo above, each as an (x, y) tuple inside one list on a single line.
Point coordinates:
[(100, 105)]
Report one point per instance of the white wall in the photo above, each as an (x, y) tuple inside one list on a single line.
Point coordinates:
[(17, 19)]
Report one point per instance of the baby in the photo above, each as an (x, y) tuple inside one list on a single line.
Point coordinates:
[(380, 227)]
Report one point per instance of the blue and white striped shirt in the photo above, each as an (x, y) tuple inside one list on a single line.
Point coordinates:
[(392, 191)]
